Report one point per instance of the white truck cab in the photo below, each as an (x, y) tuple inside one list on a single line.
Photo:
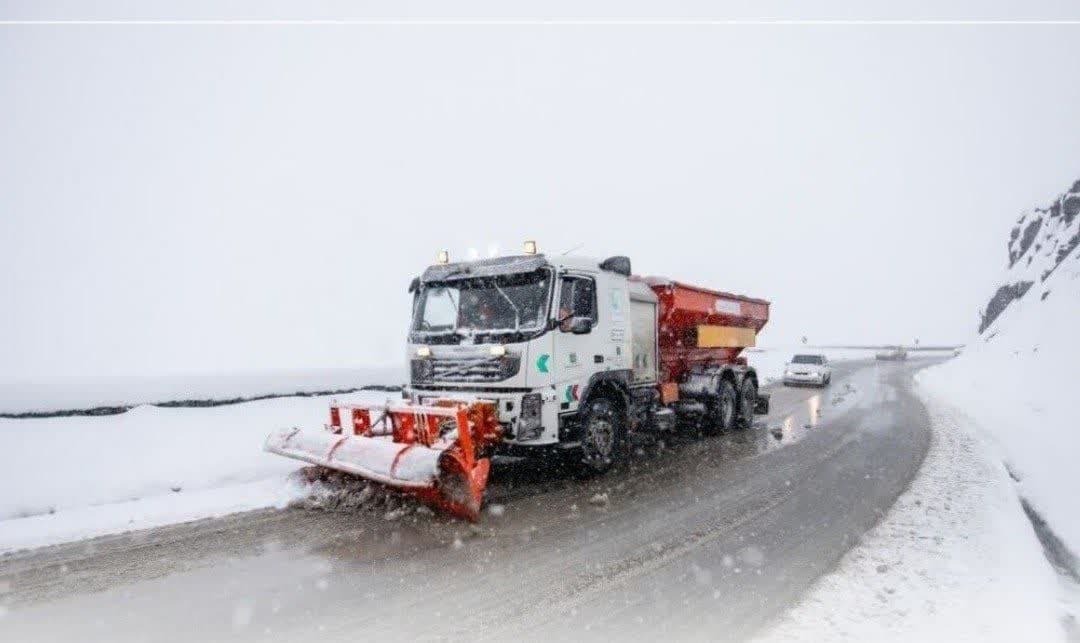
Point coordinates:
[(532, 333)]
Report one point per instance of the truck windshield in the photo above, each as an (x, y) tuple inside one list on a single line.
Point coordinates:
[(807, 359), (505, 303)]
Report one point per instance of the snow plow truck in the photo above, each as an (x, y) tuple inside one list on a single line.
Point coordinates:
[(530, 354)]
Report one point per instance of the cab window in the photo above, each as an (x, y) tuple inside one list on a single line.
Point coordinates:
[(577, 298)]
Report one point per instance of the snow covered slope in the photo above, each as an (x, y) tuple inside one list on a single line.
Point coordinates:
[(1018, 378)]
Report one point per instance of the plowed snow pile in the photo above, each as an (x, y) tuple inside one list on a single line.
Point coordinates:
[(326, 490)]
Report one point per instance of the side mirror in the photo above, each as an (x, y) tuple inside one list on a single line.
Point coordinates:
[(618, 265), (414, 285), (579, 325)]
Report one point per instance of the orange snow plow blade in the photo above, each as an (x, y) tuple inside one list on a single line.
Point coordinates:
[(437, 452)]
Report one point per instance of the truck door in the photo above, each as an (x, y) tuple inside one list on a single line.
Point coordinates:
[(577, 345)]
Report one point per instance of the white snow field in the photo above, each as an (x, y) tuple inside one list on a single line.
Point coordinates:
[(69, 478), (954, 559)]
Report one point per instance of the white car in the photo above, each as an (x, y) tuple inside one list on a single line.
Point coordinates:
[(808, 369), (896, 353)]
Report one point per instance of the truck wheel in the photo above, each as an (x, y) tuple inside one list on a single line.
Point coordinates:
[(747, 402), (603, 434), (722, 410)]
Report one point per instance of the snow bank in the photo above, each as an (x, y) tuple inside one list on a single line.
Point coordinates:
[(955, 559), (22, 395), (77, 477), (1018, 381)]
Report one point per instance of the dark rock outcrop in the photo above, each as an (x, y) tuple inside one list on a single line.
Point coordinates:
[(1004, 296), (1039, 243)]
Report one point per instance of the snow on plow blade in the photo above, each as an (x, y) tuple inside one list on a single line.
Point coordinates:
[(401, 465), (436, 452)]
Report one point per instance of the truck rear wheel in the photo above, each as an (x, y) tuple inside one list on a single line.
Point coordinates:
[(722, 410), (747, 403), (603, 435)]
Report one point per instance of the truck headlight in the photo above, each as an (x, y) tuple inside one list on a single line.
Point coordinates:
[(529, 417), (421, 370), (509, 366)]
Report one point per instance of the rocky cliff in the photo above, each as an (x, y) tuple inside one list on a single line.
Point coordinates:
[(1040, 242)]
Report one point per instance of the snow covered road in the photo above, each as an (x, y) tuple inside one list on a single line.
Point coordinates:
[(707, 539)]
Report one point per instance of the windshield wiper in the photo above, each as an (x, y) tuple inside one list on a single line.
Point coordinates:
[(517, 313), (428, 331)]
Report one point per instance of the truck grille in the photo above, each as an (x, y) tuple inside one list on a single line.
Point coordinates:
[(469, 369)]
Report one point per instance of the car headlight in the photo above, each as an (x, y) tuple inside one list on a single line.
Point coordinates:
[(529, 418)]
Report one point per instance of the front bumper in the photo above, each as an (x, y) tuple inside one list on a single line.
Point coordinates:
[(508, 405), (808, 378)]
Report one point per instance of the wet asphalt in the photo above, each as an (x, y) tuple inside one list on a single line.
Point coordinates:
[(692, 538)]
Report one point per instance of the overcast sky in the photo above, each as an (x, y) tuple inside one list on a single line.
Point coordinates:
[(186, 198)]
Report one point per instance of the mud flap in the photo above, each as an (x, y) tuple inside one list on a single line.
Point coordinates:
[(459, 492), (761, 405)]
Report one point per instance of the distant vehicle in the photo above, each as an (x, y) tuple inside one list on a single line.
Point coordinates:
[(896, 353), (808, 369)]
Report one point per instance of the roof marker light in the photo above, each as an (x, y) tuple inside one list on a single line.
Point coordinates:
[(442, 257), (530, 247)]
